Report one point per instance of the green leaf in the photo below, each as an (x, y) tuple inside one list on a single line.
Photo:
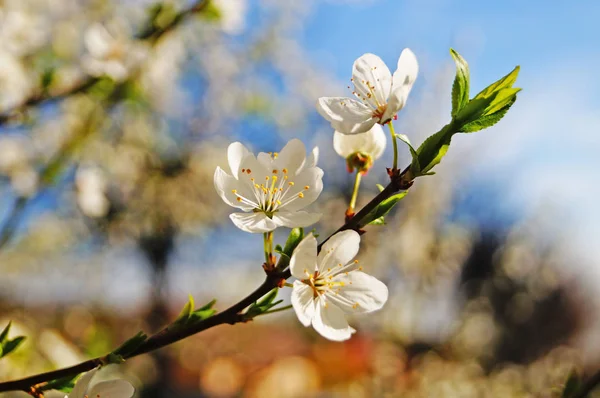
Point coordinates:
[(263, 305), (278, 249), (433, 149), (488, 120), (572, 384), (128, 347), (505, 82), (4, 334), (186, 311), (501, 99), (294, 238), (382, 209), (460, 87), (415, 167), (12, 345), (202, 313), (207, 306), (64, 384)]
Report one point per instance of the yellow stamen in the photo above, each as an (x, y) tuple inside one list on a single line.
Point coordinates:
[(300, 195)]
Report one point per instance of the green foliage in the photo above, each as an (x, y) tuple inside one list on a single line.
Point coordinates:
[(294, 238), (64, 384), (189, 315), (415, 166), (572, 384), (377, 215), (484, 110), (128, 347), (7, 345), (460, 87), (263, 305)]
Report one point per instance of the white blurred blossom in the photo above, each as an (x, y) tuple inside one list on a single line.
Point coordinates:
[(112, 54), (232, 15), (22, 32), (15, 82), (91, 191)]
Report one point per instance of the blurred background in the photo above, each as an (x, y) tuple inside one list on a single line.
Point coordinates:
[(114, 115)]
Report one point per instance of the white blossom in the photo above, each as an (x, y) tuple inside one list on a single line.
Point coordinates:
[(91, 192), (272, 188), (15, 82), (113, 55), (362, 149), (104, 389), (331, 285), (21, 32), (232, 16), (380, 94)]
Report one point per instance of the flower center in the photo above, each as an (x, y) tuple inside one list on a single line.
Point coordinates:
[(379, 111), (276, 192)]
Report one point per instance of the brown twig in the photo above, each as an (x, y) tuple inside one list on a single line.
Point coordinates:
[(230, 316)]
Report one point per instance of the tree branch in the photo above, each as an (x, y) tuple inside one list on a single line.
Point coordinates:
[(151, 32), (231, 315)]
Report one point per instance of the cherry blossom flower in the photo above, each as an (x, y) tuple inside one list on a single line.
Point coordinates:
[(271, 188), (380, 94), (103, 389), (331, 285), (360, 150)]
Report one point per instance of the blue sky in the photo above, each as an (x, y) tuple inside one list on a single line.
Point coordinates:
[(543, 155)]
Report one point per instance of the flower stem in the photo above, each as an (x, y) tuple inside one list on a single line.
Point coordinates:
[(268, 247), (395, 144), (352, 204)]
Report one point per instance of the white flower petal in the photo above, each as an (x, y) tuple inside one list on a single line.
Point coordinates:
[(371, 143), (253, 222), (312, 159), (346, 115), (372, 79), (98, 40), (329, 321), (360, 293), (266, 160), (253, 169), (81, 386), (225, 184), (304, 257), (403, 80), (311, 178), (303, 302), (296, 218), (341, 248), (112, 389), (236, 152), (291, 157)]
